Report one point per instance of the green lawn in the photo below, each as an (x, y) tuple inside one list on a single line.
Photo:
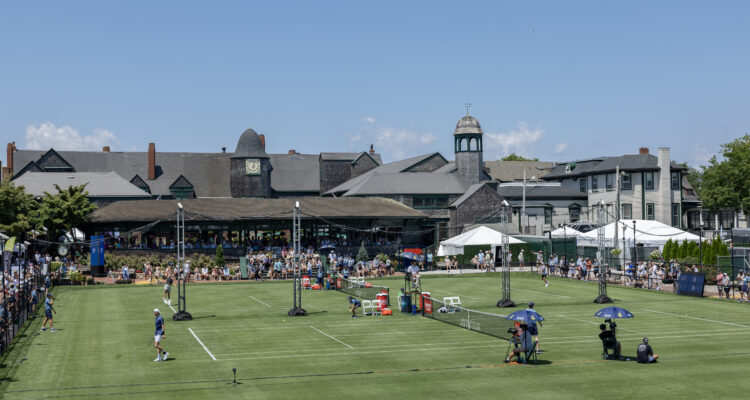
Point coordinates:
[(104, 346)]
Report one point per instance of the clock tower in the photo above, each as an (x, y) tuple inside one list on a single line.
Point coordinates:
[(250, 167)]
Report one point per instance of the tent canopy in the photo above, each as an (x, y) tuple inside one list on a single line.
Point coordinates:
[(650, 233), (478, 236), (566, 232)]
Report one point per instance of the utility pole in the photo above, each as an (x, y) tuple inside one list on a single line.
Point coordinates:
[(617, 212)]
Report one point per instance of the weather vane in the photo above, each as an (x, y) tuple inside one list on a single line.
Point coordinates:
[(468, 106)]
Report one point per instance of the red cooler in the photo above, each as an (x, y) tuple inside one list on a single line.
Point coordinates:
[(383, 297), (306, 281), (426, 303), (338, 283)]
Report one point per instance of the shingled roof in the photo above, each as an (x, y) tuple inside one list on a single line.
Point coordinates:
[(236, 209), (605, 165), (98, 184)]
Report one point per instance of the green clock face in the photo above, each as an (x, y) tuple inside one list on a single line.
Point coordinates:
[(252, 166)]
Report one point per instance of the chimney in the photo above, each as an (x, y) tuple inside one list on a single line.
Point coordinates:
[(151, 161), (643, 150), (263, 140), (223, 149), (372, 149), (292, 152), (105, 149), (11, 148)]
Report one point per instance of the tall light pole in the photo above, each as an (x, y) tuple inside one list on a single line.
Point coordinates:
[(181, 314), (600, 236), (635, 247), (297, 310), (505, 301)]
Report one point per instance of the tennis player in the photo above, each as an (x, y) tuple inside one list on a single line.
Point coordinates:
[(48, 309), (354, 304), (543, 270), (161, 355), (167, 290)]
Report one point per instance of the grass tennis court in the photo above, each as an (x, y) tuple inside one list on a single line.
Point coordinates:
[(105, 346)]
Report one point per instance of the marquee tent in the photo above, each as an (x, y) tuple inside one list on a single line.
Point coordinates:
[(650, 233), (475, 237)]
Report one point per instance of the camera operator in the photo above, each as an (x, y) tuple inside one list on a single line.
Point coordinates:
[(521, 342), (609, 340)]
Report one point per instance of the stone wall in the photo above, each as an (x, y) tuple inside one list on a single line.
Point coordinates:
[(469, 166), (482, 204)]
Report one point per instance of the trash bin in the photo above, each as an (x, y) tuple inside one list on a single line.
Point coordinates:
[(383, 297), (338, 283), (406, 303), (426, 303)]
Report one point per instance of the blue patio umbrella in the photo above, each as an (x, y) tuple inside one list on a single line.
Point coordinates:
[(525, 316), (613, 312)]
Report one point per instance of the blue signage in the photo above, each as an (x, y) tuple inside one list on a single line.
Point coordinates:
[(691, 284), (97, 251)]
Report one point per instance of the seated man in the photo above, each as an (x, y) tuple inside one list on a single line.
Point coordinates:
[(609, 341), (645, 353), (522, 343), (354, 304)]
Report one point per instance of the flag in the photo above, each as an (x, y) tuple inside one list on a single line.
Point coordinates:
[(10, 244)]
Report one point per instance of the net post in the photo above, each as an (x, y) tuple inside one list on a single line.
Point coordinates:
[(502, 255), (601, 212), (297, 310)]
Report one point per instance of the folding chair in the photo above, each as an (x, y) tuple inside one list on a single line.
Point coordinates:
[(452, 302), (371, 307), (610, 345), (530, 354)]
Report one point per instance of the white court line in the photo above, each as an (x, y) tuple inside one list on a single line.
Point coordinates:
[(202, 345), (696, 318), (265, 304), (331, 337), (546, 294), (371, 323), (173, 310), (500, 344), (594, 323)]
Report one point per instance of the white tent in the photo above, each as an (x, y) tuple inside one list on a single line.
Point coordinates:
[(650, 233), (475, 237), (566, 232)]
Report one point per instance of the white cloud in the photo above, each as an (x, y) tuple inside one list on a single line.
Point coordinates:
[(392, 143), (701, 155), (369, 120), (561, 147), (521, 140), (47, 135)]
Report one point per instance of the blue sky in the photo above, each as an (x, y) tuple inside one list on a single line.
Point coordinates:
[(557, 80)]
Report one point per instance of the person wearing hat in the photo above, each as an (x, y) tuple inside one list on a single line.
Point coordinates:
[(645, 353), (161, 354), (533, 330), (354, 304), (48, 309)]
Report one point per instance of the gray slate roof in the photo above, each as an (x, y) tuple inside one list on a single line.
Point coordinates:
[(237, 209), (469, 192), (208, 172), (250, 146), (540, 192), (387, 183), (99, 184), (295, 172), (393, 167), (603, 165), (511, 171)]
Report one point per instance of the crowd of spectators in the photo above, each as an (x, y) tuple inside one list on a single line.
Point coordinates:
[(23, 288)]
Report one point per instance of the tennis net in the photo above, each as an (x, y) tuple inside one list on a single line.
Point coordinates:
[(478, 321), (360, 288)]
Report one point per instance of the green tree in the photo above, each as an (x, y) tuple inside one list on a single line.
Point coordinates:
[(17, 210), (65, 210), (725, 183), (668, 251), (220, 256), (516, 157), (683, 251), (362, 253)]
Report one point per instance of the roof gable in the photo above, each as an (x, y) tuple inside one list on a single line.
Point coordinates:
[(53, 161), (30, 167), (365, 154), (181, 183), (139, 182)]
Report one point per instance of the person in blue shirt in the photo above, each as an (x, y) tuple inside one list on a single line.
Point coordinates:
[(533, 330), (319, 276), (354, 304), (48, 309), (161, 354), (47, 283)]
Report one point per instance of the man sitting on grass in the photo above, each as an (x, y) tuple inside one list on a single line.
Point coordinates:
[(354, 304), (645, 353)]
